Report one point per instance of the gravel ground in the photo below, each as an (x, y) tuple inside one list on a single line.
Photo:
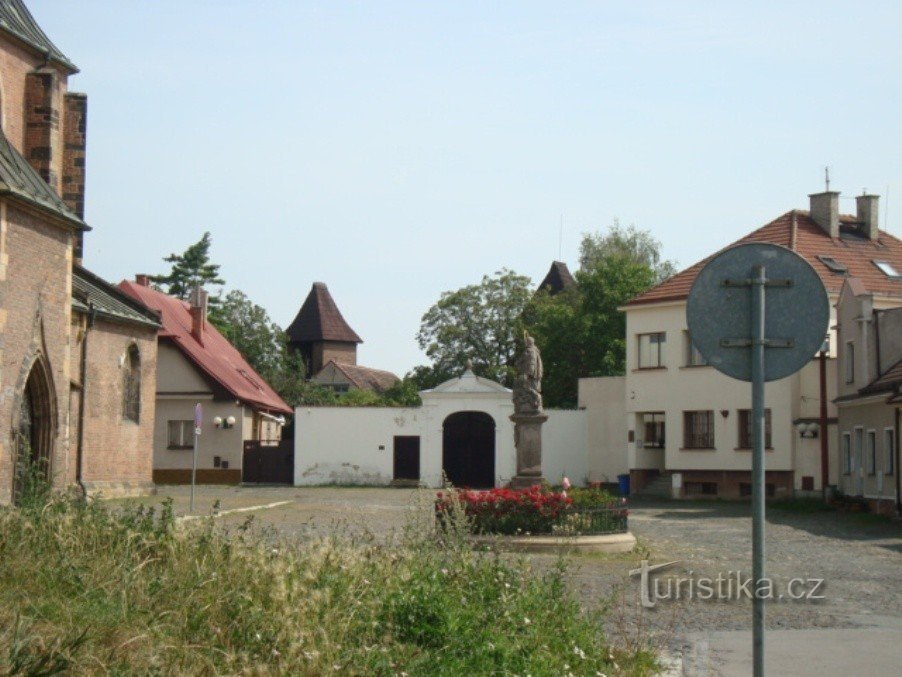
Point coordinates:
[(858, 556)]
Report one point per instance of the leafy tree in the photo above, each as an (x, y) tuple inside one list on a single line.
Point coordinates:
[(426, 377), (249, 328), (189, 269), (638, 245), (477, 322)]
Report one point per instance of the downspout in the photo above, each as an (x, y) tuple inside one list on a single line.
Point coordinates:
[(896, 466), (83, 373)]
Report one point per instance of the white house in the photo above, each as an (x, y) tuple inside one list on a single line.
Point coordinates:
[(462, 431), (686, 426)]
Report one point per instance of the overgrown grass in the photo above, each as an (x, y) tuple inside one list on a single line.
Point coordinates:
[(91, 590)]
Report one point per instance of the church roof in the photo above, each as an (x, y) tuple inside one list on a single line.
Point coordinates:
[(558, 278), (320, 320), (16, 20), (19, 180), (90, 292), (468, 382)]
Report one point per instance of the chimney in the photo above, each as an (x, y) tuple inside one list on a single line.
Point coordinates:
[(867, 209), (824, 211), (142, 279), (198, 313)]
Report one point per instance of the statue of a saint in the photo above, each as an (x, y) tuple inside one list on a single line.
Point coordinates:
[(528, 385)]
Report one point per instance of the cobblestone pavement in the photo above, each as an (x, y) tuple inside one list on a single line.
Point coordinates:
[(858, 556)]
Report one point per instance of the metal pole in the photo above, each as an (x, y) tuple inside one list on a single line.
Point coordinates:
[(193, 469), (825, 454), (758, 282)]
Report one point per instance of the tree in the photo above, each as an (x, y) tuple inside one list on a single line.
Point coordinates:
[(580, 331), (637, 245), (249, 328), (190, 269), (477, 322)]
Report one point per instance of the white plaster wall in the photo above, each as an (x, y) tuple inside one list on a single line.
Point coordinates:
[(226, 443), (565, 450), (604, 401)]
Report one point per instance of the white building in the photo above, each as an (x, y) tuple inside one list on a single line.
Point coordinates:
[(462, 430), (686, 426)]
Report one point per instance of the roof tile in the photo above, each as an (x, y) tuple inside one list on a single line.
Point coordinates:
[(320, 320)]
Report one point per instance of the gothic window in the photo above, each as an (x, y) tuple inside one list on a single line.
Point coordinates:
[(131, 385)]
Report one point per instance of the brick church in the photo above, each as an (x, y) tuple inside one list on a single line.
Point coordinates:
[(77, 357)]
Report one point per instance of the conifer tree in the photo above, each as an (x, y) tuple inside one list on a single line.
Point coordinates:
[(189, 269)]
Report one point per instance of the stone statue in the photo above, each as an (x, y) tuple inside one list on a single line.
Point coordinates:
[(528, 416), (528, 385)]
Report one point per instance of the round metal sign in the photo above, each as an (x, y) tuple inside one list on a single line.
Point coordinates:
[(796, 311)]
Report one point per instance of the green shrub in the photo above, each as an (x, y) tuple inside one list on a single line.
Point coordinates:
[(88, 590)]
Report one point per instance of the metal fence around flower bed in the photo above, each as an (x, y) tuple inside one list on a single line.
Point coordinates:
[(585, 521)]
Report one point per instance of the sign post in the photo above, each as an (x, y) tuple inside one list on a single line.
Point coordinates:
[(758, 312), (198, 417)]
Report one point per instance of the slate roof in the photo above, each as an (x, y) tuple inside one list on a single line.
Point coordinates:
[(320, 320), (887, 382), (16, 20), (19, 180), (796, 230), (364, 378), (215, 357), (92, 292), (558, 278)]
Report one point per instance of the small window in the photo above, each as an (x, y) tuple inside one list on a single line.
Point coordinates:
[(693, 357), (889, 451), (846, 454), (745, 429), (832, 264), (651, 350), (886, 268), (701, 488), (131, 385), (850, 361), (770, 490), (872, 452), (652, 430), (698, 430), (181, 434)]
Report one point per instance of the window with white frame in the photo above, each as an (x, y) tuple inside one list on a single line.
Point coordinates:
[(889, 451), (850, 361), (872, 452), (651, 350), (181, 434), (846, 454), (693, 357)]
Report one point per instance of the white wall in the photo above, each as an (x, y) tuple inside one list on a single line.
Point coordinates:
[(226, 443), (604, 401), (565, 447)]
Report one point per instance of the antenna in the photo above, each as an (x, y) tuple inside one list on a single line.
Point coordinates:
[(827, 178), (560, 239)]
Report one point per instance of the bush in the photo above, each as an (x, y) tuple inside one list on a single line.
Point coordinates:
[(86, 589), (537, 510)]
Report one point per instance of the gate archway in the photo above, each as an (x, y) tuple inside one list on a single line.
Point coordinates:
[(468, 449)]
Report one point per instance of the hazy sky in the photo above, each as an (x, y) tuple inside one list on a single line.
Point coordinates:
[(396, 150)]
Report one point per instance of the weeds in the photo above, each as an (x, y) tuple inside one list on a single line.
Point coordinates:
[(89, 590)]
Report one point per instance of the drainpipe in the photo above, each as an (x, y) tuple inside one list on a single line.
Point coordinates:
[(83, 373), (896, 466)]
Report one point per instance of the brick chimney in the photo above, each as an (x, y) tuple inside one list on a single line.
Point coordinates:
[(142, 279), (198, 311), (867, 207), (824, 211)]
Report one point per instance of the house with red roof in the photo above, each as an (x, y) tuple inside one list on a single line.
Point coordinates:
[(869, 400), (196, 364), (684, 429)]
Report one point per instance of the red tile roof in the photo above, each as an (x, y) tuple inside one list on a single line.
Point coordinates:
[(796, 230), (215, 357), (320, 320)]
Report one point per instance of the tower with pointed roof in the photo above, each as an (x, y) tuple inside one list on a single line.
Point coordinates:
[(320, 333)]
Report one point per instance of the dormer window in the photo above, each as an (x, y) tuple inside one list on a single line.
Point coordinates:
[(886, 268), (832, 264)]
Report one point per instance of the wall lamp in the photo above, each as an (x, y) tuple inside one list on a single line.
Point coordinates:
[(808, 429), (219, 422)]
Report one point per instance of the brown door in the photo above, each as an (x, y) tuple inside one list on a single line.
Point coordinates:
[(407, 457)]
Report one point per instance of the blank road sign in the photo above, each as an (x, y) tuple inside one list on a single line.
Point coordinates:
[(797, 311)]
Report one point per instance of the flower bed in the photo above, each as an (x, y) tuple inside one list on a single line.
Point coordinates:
[(536, 510)]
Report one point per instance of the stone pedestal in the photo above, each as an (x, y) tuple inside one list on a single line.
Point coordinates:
[(528, 440)]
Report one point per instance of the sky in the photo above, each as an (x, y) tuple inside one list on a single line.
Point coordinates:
[(396, 150)]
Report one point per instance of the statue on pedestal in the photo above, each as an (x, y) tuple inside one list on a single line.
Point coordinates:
[(528, 415)]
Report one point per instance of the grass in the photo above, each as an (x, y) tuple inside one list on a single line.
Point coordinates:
[(90, 590)]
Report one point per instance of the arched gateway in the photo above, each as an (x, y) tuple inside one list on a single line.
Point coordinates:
[(468, 449)]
